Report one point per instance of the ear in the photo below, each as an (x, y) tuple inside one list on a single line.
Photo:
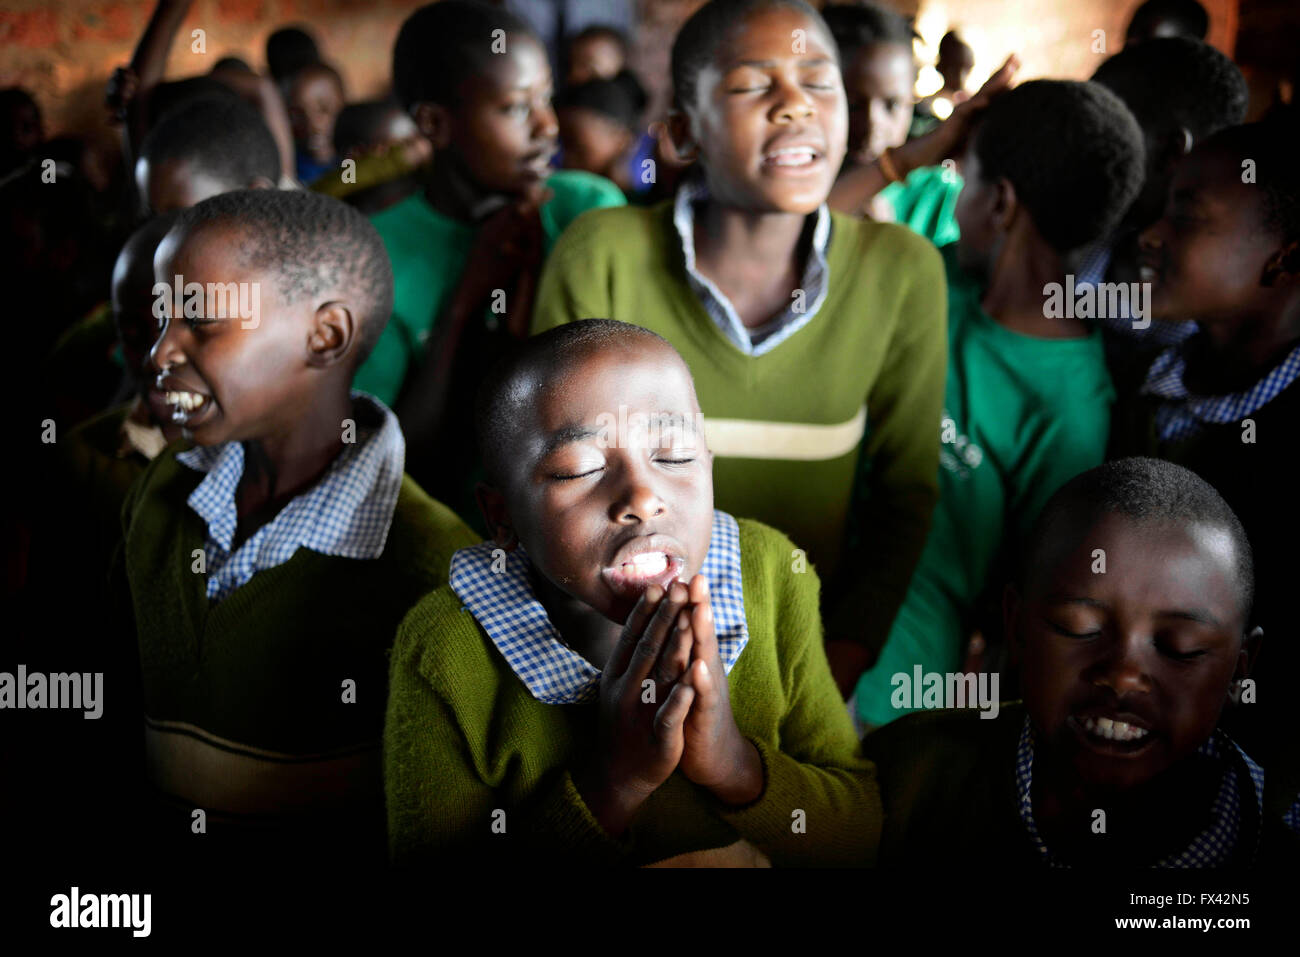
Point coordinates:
[(1283, 267), (260, 182), (1249, 652), (1175, 144), (1005, 205), (678, 128), (492, 505), (434, 121), (333, 333), (1012, 608)]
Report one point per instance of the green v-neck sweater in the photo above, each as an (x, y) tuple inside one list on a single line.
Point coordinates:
[(477, 768), (785, 427), (257, 680)]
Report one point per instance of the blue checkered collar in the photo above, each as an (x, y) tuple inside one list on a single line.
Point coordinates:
[(347, 513), (1212, 847), (765, 338), (1183, 414), (496, 587)]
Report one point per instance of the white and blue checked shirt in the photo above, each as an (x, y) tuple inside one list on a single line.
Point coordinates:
[(1210, 848), (505, 606), (800, 312), (347, 513), (1183, 415)]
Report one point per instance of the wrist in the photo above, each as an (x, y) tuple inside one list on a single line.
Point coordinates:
[(744, 784), (610, 803)]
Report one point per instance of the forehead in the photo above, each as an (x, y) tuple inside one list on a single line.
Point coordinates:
[(769, 33), (207, 250), (1156, 564), (875, 60), (524, 64), (637, 375), (316, 83)]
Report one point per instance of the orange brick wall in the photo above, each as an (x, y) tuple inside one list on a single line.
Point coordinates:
[(64, 50)]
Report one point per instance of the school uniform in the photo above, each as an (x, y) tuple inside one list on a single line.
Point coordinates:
[(852, 368), (264, 665), (490, 713), (1022, 416)]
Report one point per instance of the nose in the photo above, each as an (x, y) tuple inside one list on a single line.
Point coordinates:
[(1122, 667), (1152, 238), (637, 501), (793, 104), (545, 123), (166, 352)]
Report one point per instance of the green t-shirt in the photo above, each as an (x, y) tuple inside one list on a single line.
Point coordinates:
[(926, 203), (1022, 416), (428, 251)]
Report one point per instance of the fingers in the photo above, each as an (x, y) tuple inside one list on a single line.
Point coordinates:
[(632, 631), (676, 656), (671, 720), (656, 633), (1000, 80), (706, 641)]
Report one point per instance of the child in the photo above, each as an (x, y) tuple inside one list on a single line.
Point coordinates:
[(466, 249), (288, 50), (1125, 676), (314, 97), (875, 47), (800, 326), (269, 565), (1053, 165), (610, 579), (1157, 19), (386, 149), (1225, 403), (595, 53), (1180, 91), (205, 147), (598, 129)]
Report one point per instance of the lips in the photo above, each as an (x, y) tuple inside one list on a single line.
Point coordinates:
[(644, 561), (793, 155), (539, 161), (1112, 732), (188, 406)]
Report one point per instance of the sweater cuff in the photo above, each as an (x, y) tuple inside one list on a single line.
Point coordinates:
[(564, 819), (789, 820)]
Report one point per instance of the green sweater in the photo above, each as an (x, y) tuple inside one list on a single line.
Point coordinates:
[(1023, 416), (784, 427), (428, 252), (246, 704), (465, 738)]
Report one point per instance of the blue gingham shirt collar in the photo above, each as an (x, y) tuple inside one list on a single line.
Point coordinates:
[(496, 587), (1213, 847), (800, 312), (1182, 415), (347, 513)]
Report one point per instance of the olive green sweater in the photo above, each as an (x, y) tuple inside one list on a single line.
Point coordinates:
[(271, 701), (785, 427), (467, 747)]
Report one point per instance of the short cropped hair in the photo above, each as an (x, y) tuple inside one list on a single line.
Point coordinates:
[(1174, 82), (309, 241), (701, 35), (288, 50), (500, 397), (1072, 151), (1187, 16), (1150, 491), (443, 44), (221, 136), (854, 27), (620, 98)]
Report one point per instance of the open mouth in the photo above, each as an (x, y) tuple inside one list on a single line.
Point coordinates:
[(539, 161), (1110, 735), (187, 407), (638, 567), (792, 159)]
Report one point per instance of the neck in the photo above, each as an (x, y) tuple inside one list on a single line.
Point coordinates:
[(1014, 296), (1234, 355), (581, 627), (277, 467), (727, 234), (451, 192)]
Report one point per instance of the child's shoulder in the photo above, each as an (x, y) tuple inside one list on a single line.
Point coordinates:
[(582, 190), (891, 246), (617, 231), (424, 533), (440, 645)]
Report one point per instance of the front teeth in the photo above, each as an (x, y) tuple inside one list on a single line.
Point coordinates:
[(1114, 730), (791, 156), (647, 564), (189, 401)]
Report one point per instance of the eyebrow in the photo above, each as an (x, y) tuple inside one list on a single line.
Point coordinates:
[(566, 435), (1200, 615), (769, 64)]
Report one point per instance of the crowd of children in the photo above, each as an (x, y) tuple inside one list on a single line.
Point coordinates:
[(482, 472)]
